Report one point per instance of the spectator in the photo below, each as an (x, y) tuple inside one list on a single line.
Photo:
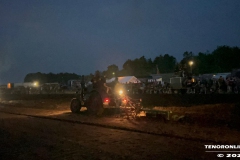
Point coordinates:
[(142, 88), (189, 85), (221, 84), (231, 85)]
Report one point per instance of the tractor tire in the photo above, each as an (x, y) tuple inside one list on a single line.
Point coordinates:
[(75, 105), (95, 106)]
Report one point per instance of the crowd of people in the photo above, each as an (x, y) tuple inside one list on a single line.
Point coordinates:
[(191, 85)]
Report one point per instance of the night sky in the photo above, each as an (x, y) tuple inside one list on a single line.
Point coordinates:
[(82, 36)]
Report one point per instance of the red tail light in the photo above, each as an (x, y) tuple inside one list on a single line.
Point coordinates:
[(106, 100), (124, 100)]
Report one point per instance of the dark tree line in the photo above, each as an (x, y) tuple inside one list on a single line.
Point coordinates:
[(143, 67), (222, 59)]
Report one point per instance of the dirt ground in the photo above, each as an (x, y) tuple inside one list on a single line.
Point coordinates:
[(26, 137), (206, 122)]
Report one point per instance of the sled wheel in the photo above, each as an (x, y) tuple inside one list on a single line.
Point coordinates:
[(75, 105)]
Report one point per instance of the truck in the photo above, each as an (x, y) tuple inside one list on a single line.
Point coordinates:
[(179, 85)]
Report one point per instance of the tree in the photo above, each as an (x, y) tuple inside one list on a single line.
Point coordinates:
[(184, 63), (112, 71), (222, 59), (226, 58), (140, 66), (127, 68), (165, 63), (204, 63)]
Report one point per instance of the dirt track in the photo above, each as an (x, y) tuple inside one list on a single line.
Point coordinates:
[(194, 135), (207, 115), (33, 138), (209, 122)]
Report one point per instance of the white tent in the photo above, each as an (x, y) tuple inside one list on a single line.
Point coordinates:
[(110, 80), (128, 79)]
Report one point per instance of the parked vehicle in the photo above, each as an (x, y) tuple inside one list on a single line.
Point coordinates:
[(182, 85)]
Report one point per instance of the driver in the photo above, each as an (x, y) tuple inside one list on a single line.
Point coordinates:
[(99, 83), (116, 86)]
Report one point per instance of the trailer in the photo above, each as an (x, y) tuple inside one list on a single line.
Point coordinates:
[(182, 85), (177, 85)]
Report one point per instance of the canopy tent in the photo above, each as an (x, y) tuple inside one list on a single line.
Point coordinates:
[(110, 80), (128, 79), (155, 80)]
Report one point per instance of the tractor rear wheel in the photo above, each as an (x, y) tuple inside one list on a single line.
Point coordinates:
[(75, 105), (95, 106)]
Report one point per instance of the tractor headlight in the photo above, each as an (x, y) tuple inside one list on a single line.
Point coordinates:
[(120, 92)]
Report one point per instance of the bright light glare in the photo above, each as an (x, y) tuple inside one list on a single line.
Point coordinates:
[(120, 92), (35, 84), (106, 100)]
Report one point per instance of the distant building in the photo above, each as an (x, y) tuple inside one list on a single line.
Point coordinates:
[(125, 79), (25, 85), (74, 83), (155, 78), (224, 75), (165, 77)]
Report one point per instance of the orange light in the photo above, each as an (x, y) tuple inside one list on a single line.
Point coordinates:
[(9, 85)]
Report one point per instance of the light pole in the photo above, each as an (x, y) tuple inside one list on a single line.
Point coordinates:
[(190, 63)]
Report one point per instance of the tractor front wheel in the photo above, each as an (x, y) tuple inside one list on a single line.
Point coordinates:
[(75, 105)]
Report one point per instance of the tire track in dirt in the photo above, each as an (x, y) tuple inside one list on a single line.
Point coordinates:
[(41, 148), (119, 128)]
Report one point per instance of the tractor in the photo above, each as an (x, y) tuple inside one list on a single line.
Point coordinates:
[(96, 100)]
